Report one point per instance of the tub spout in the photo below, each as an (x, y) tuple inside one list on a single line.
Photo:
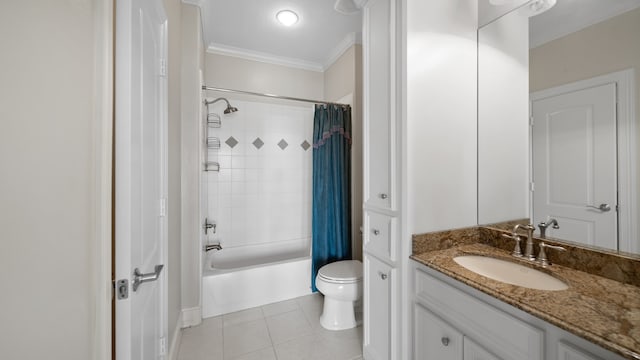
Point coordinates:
[(210, 247)]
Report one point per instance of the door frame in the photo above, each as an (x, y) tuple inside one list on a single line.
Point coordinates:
[(626, 148), (102, 155)]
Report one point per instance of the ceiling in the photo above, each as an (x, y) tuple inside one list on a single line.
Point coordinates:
[(248, 28), (568, 16)]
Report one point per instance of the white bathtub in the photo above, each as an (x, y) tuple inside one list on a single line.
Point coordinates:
[(248, 276)]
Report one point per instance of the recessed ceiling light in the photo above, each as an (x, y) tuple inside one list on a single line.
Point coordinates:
[(537, 7), (287, 17)]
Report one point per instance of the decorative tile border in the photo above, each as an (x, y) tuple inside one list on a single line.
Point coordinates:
[(283, 144), (231, 141), (258, 143)]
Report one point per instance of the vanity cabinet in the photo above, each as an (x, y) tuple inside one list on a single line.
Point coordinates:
[(491, 329), (568, 352), (454, 321), (436, 339)]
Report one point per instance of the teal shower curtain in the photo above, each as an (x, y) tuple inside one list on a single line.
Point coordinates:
[(331, 221)]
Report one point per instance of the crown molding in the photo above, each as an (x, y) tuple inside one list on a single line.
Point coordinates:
[(570, 28), (342, 47), (220, 49), (199, 3)]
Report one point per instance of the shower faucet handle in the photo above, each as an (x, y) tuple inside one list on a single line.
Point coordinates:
[(207, 225)]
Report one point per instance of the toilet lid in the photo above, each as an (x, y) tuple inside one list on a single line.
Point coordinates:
[(346, 270)]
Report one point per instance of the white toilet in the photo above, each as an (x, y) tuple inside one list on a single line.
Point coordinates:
[(341, 284)]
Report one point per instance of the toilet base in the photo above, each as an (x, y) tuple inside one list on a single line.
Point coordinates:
[(337, 315)]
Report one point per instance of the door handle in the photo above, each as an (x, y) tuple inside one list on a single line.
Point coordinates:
[(602, 207), (140, 278)]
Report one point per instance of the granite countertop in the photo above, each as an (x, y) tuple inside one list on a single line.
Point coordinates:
[(603, 311)]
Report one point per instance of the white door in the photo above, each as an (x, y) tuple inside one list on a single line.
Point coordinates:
[(141, 173), (574, 165)]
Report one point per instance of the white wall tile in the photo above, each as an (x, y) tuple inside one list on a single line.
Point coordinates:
[(237, 175), (262, 195)]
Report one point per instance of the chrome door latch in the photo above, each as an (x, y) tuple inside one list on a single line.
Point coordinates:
[(122, 289), (140, 278), (602, 207)]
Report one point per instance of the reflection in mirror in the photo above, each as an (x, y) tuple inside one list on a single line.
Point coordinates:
[(584, 68)]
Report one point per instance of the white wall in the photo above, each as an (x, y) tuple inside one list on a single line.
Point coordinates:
[(173, 10), (344, 79), (503, 119), (440, 159), (261, 194), (191, 227), (439, 129), (241, 74), (49, 143)]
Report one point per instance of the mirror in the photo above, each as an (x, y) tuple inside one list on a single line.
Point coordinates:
[(577, 64)]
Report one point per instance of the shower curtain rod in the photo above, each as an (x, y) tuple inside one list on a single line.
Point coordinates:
[(271, 96)]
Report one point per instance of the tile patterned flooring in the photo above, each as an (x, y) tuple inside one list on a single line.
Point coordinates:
[(287, 330)]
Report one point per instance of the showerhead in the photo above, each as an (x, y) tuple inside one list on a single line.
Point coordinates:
[(230, 109)]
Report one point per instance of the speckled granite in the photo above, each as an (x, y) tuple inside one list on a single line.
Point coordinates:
[(444, 239), (616, 266), (601, 310)]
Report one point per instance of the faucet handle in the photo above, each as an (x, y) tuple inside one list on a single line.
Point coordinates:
[(517, 252), (542, 255)]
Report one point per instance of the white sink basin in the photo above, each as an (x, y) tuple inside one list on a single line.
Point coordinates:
[(510, 272)]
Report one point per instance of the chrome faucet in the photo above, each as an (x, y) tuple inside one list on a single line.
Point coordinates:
[(544, 225), (542, 255), (210, 247), (207, 225), (517, 252), (528, 249)]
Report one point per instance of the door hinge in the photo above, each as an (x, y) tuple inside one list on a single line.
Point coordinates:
[(163, 346), (532, 186), (122, 289), (530, 120), (163, 67), (163, 207)]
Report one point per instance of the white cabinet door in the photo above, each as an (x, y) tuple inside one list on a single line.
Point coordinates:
[(379, 104), (569, 352), (380, 235), (435, 339), (378, 301), (473, 351)]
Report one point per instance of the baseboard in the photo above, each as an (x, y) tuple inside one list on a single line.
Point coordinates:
[(174, 348), (191, 317)]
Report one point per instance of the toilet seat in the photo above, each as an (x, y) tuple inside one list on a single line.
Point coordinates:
[(341, 272)]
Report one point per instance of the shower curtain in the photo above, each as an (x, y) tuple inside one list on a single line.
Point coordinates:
[(331, 221)]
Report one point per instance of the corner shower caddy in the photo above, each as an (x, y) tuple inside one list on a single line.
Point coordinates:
[(211, 142)]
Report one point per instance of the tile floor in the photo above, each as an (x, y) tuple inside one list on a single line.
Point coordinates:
[(288, 330)]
